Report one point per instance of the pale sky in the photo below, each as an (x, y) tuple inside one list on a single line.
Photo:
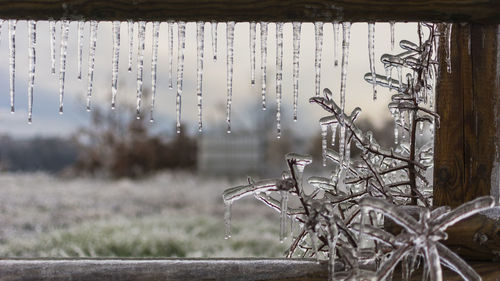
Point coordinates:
[(47, 121)]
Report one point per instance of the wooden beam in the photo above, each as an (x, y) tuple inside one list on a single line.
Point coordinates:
[(477, 11), (467, 142)]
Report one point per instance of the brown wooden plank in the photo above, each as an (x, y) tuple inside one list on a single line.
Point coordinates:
[(478, 11)]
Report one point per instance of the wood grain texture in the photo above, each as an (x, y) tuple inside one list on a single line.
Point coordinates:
[(466, 142), (477, 11)]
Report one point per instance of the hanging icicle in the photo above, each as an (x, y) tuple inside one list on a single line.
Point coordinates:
[(214, 25), (140, 65), (318, 39), (297, 26), (32, 64), (283, 209), (229, 71), (81, 26), (324, 132), (279, 74), (154, 64), (392, 27), (171, 54), (12, 61), (92, 46), (227, 219), (253, 27), (448, 30), (130, 44), (371, 55), (52, 30), (346, 27), (181, 45), (200, 38), (336, 31), (263, 60), (62, 62), (116, 57)]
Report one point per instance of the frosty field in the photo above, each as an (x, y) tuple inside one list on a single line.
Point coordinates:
[(172, 214)]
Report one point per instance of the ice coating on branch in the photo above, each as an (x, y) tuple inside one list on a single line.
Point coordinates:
[(263, 60), (140, 66), (297, 26), (238, 192), (214, 25), (92, 46), (116, 56), (283, 219), (32, 64), (229, 71), (448, 30), (318, 39), (336, 35), (392, 27), (200, 34), (170, 54), (12, 61), (154, 66), (371, 55), (62, 61), (52, 32), (130, 44), (253, 35), (299, 161), (81, 26), (279, 74), (181, 46)]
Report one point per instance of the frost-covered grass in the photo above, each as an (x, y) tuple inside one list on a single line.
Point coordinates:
[(167, 215)]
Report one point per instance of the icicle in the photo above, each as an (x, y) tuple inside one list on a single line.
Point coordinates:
[(396, 127), (214, 25), (32, 63), (318, 38), (252, 51), (154, 64), (263, 60), (336, 31), (116, 56), (371, 55), (130, 44), (448, 30), (1, 23), (332, 243), (297, 26), (333, 127), (81, 26), (229, 71), (181, 45), (12, 61), (421, 128), (392, 27), (52, 30), (62, 61), (171, 54), (200, 34), (324, 131), (388, 74), (283, 208), (140, 65), (279, 74), (346, 27), (227, 219), (92, 46)]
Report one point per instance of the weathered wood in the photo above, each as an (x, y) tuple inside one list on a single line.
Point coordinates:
[(465, 144), (487, 271), (478, 11)]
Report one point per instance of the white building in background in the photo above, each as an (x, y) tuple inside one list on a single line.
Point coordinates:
[(231, 154)]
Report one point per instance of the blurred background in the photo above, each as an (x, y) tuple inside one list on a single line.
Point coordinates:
[(102, 183)]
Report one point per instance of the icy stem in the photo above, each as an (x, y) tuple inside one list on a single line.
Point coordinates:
[(116, 56), (154, 65), (214, 25), (296, 55), (279, 74), (81, 26), (318, 39), (92, 46), (12, 61), (371, 55), (130, 43), (32, 63), (62, 61), (181, 45), (200, 34), (140, 66), (170, 54), (52, 30), (252, 39), (263, 60), (229, 71)]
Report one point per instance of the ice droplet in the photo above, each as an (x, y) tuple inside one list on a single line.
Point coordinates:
[(252, 38), (171, 54), (81, 26), (52, 30), (130, 44), (181, 45), (392, 27), (140, 65), (371, 55), (297, 26), (336, 31), (318, 39), (263, 60), (200, 38), (116, 56), (92, 46), (154, 66), (62, 62), (283, 208), (279, 74), (12, 61), (214, 25), (227, 219), (32, 63), (229, 71), (448, 30)]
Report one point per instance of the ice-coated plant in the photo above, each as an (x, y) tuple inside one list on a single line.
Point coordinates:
[(340, 216)]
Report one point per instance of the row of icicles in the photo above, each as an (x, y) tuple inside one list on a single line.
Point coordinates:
[(181, 28)]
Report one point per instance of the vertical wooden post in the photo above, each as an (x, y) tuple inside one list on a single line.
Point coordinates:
[(468, 99)]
